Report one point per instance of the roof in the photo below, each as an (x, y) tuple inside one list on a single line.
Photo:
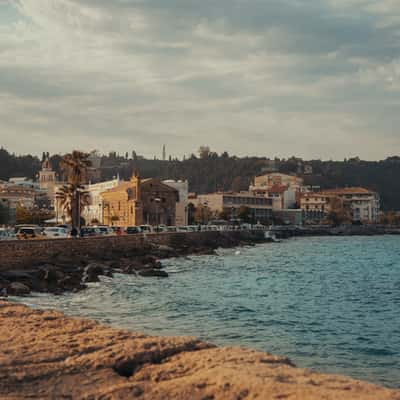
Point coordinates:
[(348, 190), (278, 189), (317, 194)]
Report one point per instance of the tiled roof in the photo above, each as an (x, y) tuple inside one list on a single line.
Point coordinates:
[(348, 190)]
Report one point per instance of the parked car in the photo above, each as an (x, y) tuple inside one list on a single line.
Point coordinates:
[(146, 228), (7, 234), (118, 230), (29, 232), (56, 232), (89, 231), (160, 228), (172, 229), (105, 230), (132, 230)]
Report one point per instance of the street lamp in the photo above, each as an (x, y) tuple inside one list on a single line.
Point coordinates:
[(157, 201)]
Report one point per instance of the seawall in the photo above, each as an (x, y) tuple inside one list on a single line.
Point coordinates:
[(21, 254), (45, 355)]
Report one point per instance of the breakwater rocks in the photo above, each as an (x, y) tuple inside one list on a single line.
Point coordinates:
[(56, 266), (45, 355)]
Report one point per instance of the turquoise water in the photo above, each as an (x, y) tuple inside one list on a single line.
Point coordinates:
[(330, 304)]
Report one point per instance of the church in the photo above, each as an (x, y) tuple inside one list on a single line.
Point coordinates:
[(138, 202)]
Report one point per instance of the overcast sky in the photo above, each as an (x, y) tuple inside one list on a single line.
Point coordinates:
[(311, 78)]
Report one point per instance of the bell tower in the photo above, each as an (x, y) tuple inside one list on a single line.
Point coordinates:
[(47, 179)]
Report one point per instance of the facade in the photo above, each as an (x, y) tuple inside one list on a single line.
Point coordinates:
[(260, 206), (364, 204), (277, 179), (138, 202), (284, 196), (93, 212), (315, 207), (17, 195), (181, 212)]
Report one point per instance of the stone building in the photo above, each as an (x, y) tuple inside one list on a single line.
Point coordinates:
[(182, 205), (137, 202)]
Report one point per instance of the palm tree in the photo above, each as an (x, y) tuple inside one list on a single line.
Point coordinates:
[(66, 196), (73, 197)]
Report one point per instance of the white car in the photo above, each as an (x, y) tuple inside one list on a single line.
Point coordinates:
[(56, 232), (105, 230)]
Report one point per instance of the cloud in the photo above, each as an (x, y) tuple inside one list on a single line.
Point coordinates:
[(311, 78)]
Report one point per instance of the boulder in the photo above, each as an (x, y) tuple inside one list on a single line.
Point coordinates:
[(93, 270), (18, 289)]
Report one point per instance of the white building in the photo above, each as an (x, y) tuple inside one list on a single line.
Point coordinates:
[(94, 211), (181, 212), (363, 203)]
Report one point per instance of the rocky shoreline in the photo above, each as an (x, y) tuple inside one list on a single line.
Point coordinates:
[(61, 273), (46, 355)]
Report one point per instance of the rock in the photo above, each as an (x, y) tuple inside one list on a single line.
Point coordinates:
[(153, 272), (46, 355), (92, 271), (18, 289)]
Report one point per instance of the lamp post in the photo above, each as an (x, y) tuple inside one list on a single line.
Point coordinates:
[(157, 201)]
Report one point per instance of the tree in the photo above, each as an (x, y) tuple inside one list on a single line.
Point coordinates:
[(75, 167), (66, 196), (244, 213), (203, 214), (32, 216), (339, 213)]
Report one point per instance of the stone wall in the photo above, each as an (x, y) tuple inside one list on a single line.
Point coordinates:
[(27, 253)]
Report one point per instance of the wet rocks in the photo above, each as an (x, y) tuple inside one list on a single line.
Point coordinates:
[(153, 272), (18, 289)]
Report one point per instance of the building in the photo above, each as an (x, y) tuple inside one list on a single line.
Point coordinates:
[(315, 207), (47, 180), (277, 179), (93, 173), (363, 204), (137, 202), (22, 181), (93, 212), (17, 195), (181, 212), (260, 206)]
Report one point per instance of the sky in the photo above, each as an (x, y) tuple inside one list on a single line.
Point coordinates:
[(310, 78)]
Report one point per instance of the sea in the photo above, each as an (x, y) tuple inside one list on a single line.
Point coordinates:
[(331, 304)]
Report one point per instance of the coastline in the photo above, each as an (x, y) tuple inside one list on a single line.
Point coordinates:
[(65, 265), (49, 267), (46, 355)]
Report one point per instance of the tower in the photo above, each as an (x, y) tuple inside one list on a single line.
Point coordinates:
[(47, 179)]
